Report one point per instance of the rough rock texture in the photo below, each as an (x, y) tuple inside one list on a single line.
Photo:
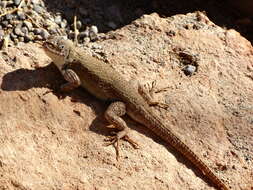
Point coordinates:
[(51, 140)]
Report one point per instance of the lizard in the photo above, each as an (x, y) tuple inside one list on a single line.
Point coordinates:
[(98, 78)]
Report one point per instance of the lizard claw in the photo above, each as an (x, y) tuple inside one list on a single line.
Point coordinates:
[(115, 139)]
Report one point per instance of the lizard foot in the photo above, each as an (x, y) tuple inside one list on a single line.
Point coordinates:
[(147, 91), (115, 139), (114, 114)]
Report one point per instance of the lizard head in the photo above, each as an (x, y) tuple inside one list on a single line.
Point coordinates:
[(57, 48)]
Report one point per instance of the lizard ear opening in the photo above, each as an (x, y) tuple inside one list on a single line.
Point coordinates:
[(65, 52)]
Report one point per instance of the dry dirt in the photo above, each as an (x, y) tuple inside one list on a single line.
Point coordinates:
[(51, 140)]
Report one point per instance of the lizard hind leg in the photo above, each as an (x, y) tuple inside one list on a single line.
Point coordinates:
[(113, 115)]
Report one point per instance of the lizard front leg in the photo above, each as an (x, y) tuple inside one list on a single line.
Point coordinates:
[(147, 92), (73, 80), (113, 115)]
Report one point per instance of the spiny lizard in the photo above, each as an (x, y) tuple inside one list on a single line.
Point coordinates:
[(80, 69)]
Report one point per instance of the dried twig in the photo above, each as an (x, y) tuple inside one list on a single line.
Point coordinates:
[(75, 30), (32, 20), (13, 10)]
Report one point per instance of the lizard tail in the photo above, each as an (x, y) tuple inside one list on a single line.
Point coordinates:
[(166, 134)]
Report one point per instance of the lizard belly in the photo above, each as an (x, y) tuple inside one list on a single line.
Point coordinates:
[(136, 114), (97, 90)]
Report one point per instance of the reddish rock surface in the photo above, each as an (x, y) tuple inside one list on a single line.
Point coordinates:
[(51, 140)]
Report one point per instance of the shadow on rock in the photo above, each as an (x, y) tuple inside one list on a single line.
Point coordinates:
[(24, 79), (46, 77)]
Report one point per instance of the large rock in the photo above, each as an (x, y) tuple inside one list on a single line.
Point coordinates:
[(51, 140)]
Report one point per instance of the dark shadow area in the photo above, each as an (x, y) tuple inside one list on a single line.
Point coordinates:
[(113, 14), (24, 79), (46, 77)]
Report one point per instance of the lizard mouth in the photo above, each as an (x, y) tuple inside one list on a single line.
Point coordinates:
[(52, 48)]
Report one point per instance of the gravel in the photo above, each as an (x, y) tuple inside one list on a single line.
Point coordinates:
[(44, 34), (34, 22), (28, 25), (18, 30)]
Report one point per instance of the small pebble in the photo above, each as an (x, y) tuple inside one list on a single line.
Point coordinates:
[(44, 34), (58, 19), (9, 16), (21, 15), (9, 26), (18, 31), (24, 30), (52, 30), (93, 29), (78, 24), (64, 23), (28, 25), (37, 8), (17, 2), (189, 69), (37, 31)]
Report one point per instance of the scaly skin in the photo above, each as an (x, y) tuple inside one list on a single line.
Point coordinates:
[(105, 83)]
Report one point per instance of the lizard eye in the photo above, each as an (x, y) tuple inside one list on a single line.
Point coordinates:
[(61, 46)]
